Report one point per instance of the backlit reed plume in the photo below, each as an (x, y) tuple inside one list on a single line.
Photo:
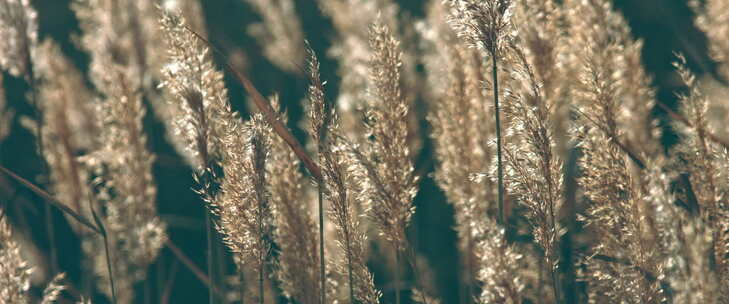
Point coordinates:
[(319, 128), (243, 203), (200, 111), (342, 186), (18, 31), (498, 265), (65, 104), (392, 178), (279, 33), (685, 241), (533, 164), (457, 110), (705, 162), (391, 181), (486, 25), (196, 89), (54, 289), (351, 19), (614, 92), (613, 102), (127, 33), (15, 271), (713, 18), (126, 182), (296, 231)]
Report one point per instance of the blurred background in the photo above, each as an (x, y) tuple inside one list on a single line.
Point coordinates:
[(665, 26)]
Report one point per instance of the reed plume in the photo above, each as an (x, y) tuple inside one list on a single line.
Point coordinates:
[(279, 33), (703, 161), (15, 272), (344, 189), (534, 167), (295, 230), (498, 266), (18, 30), (392, 179), (486, 25), (351, 20), (243, 202), (342, 186), (197, 92), (456, 113), (713, 19)]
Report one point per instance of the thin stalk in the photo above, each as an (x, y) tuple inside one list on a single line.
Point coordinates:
[(261, 258), (50, 230), (555, 284), (209, 229), (167, 292), (147, 291), (260, 280), (220, 265), (412, 259), (570, 199), (397, 274), (50, 199), (109, 267), (497, 114), (241, 284), (351, 277), (322, 266)]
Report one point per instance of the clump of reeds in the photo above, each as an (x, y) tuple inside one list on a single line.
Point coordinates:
[(540, 115)]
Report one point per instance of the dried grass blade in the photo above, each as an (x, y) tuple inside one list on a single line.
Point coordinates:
[(268, 113), (51, 200)]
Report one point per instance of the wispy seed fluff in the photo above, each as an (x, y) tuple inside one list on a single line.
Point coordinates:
[(18, 36), (390, 168)]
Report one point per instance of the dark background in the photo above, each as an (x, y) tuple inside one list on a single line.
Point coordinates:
[(666, 26)]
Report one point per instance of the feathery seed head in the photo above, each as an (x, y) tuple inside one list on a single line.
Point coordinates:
[(482, 23), (18, 36)]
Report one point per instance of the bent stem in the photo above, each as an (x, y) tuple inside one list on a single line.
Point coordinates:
[(106, 251)]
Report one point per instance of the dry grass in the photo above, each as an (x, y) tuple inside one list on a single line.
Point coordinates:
[(539, 112)]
